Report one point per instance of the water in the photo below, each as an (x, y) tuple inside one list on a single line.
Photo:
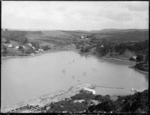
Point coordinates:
[(30, 77)]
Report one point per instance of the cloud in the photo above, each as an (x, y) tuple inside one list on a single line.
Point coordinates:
[(123, 16), (138, 6), (74, 15)]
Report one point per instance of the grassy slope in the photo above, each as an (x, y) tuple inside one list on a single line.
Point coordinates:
[(114, 34), (121, 35)]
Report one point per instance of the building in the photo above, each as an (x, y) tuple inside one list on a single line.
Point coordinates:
[(102, 46), (90, 90), (29, 44), (82, 37), (16, 47), (41, 50), (9, 46), (33, 47), (134, 57)]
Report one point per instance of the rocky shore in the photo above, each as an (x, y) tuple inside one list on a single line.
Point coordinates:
[(82, 99)]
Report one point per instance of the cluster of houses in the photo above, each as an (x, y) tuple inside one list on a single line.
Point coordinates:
[(138, 58), (85, 39), (86, 44), (23, 48)]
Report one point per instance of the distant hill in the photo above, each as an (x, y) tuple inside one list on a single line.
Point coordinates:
[(121, 30), (121, 35), (18, 36), (58, 34), (109, 34)]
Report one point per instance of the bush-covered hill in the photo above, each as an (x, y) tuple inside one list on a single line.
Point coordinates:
[(121, 35)]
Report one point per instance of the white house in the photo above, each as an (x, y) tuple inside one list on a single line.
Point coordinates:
[(82, 37), (9, 45), (134, 57), (86, 38), (29, 44), (102, 46), (137, 90), (33, 47), (16, 47), (93, 49), (41, 50), (78, 101), (90, 90)]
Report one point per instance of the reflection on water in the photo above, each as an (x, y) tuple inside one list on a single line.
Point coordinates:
[(26, 78)]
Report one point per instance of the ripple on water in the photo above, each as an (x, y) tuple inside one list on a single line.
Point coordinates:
[(63, 71), (84, 73), (73, 77), (93, 69)]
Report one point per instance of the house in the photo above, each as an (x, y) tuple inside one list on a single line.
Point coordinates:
[(41, 50), (29, 44), (134, 57), (137, 90), (16, 47), (90, 90), (102, 46), (33, 47), (9, 46), (86, 38), (93, 49), (82, 37)]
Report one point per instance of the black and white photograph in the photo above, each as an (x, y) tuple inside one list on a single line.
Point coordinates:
[(84, 57)]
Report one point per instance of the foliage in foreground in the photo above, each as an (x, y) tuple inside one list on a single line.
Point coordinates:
[(137, 103)]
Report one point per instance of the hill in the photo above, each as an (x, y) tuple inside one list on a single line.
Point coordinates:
[(121, 35)]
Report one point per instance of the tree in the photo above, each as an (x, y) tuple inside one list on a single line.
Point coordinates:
[(21, 48), (4, 52), (140, 58), (46, 47), (24, 40), (36, 45), (7, 41)]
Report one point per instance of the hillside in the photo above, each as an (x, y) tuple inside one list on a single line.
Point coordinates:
[(111, 34), (117, 42), (121, 35)]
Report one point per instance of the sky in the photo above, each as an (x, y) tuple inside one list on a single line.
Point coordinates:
[(77, 15)]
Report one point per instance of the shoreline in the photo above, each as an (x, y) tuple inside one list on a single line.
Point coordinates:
[(141, 71), (43, 52), (118, 59), (55, 97), (76, 50), (38, 54)]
